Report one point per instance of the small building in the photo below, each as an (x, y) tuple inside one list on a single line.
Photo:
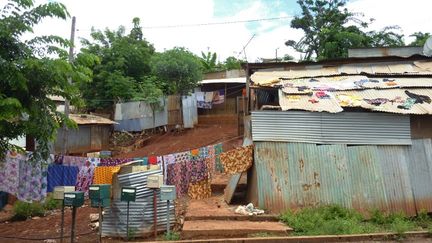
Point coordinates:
[(355, 132), (92, 135), (228, 91)]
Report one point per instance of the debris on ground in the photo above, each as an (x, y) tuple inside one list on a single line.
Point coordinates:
[(249, 210), (94, 217)]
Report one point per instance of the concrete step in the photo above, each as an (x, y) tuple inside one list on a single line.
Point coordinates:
[(201, 229), (268, 218)]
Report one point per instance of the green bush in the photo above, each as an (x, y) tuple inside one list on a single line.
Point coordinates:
[(172, 236), (25, 210), (51, 203)]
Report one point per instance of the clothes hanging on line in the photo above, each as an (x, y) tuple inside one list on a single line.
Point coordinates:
[(61, 175), (237, 160)]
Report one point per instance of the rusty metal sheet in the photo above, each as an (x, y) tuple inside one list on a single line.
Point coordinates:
[(231, 187), (390, 178)]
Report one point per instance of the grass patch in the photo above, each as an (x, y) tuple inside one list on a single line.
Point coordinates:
[(336, 220), (261, 234), (23, 210), (171, 236)]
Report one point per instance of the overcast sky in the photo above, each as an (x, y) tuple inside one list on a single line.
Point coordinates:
[(225, 39)]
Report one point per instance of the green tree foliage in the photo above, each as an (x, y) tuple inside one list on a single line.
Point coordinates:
[(30, 72), (420, 38), (232, 63), (124, 62), (330, 29), (209, 61), (178, 69), (150, 92)]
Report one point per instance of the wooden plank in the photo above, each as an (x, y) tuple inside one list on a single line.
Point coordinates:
[(231, 187)]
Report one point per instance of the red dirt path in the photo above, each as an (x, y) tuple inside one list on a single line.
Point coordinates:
[(201, 135)]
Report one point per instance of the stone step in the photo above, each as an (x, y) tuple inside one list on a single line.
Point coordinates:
[(269, 218), (201, 229)]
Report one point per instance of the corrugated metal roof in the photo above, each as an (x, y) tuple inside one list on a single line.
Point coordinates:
[(389, 100), (224, 81), (356, 82), (390, 178), (86, 119), (324, 128), (387, 69)]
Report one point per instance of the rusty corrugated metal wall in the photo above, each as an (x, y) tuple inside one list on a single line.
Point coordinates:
[(390, 178)]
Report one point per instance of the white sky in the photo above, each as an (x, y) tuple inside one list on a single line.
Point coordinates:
[(226, 40)]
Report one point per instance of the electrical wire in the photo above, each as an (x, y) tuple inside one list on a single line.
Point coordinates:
[(205, 24)]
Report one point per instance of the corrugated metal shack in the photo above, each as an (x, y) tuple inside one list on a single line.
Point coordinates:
[(138, 115), (141, 213), (92, 135), (354, 132)]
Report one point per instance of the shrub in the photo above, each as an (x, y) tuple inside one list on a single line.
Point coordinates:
[(25, 210), (51, 203), (172, 236)]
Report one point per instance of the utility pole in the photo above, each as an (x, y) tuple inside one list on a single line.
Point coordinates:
[(276, 54), (67, 103)]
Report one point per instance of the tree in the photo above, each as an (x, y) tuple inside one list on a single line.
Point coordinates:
[(209, 61), (420, 38), (330, 30), (232, 63), (31, 71), (124, 62), (151, 94), (178, 69)]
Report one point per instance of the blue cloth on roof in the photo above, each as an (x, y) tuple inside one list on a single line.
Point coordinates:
[(60, 175)]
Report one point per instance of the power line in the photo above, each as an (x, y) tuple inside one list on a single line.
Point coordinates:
[(206, 24)]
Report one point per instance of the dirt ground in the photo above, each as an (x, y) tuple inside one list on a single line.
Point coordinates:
[(49, 227), (201, 135)]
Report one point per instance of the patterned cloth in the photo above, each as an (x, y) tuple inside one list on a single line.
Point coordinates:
[(200, 190), (237, 160), (60, 175), (211, 160), (195, 153), (113, 161), (74, 161), (167, 160), (204, 152), (85, 177), (178, 174), (32, 181), (9, 173), (94, 161), (152, 160), (198, 171), (218, 150), (104, 174)]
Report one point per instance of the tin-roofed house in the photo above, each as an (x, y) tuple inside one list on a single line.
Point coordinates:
[(354, 132), (92, 135)]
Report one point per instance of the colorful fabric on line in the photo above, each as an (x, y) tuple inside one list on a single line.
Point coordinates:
[(195, 153), (60, 175), (167, 160), (152, 160), (237, 160), (85, 177), (204, 152), (113, 161), (160, 161), (94, 161), (198, 170), (178, 174), (74, 161), (9, 173), (211, 160), (32, 181), (104, 174), (200, 190), (218, 150)]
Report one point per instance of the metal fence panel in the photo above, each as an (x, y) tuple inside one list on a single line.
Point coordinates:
[(325, 128), (141, 212), (390, 178)]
